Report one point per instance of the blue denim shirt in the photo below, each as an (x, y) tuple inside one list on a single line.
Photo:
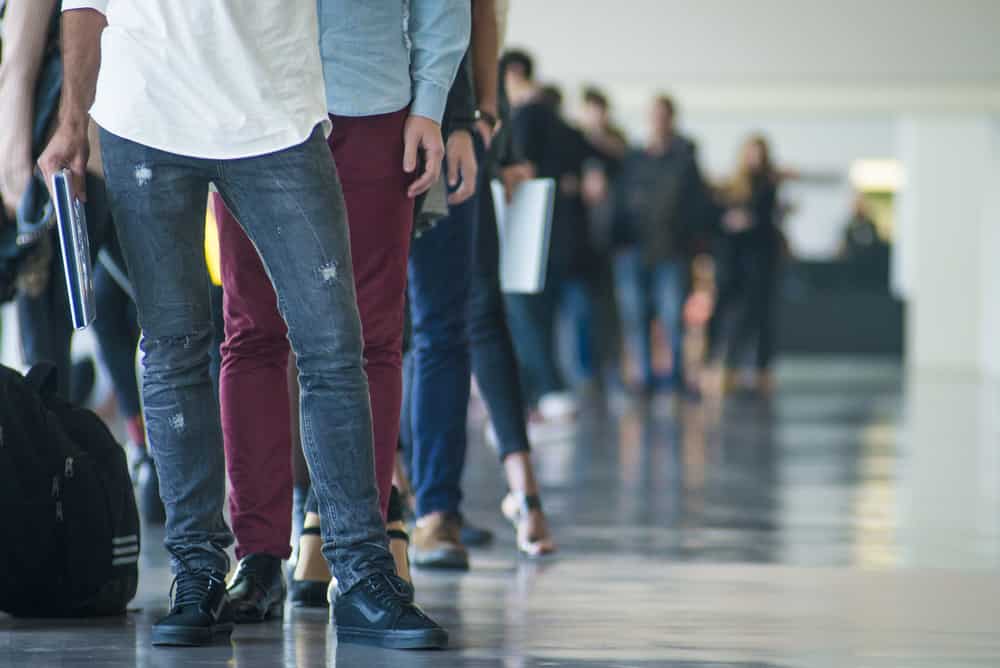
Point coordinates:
[(380, 55)]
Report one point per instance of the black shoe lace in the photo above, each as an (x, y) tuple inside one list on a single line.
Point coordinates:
[(191, 587), (389, 589)]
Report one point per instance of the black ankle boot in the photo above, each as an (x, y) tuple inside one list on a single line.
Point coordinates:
[(199, 612), (258, 589)]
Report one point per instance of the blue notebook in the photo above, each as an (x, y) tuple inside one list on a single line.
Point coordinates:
[(75, 246)]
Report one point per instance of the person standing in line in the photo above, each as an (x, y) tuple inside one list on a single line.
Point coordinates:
[(386, 104), (660, 200), (143, 68), (541, 138), (458, 327), (494, 362), (748, 267), (596, 292)]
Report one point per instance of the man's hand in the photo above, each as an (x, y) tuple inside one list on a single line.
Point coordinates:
[(69, 147), (462, 166), (422, 133), (514, 175)]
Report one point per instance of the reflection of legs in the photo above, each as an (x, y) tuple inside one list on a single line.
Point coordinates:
[(289, 203), (160, 220), (630, 287)]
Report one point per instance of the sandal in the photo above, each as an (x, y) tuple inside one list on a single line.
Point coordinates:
[(516, 507)]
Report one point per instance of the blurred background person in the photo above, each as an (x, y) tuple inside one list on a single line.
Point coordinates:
[(659, 210), (868, 254), (597, 126), (742, 328), (541, 138), (600, 178)]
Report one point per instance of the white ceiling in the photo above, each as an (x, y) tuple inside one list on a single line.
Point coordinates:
[(908, 42)]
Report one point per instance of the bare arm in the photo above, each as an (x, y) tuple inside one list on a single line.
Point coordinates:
[(485, 53), (25, 30), (81, 48)]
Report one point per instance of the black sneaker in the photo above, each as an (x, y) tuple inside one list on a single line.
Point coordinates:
[(380, 611), (257, 592), (199, 612)]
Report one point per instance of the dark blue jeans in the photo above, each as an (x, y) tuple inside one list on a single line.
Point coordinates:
[(532, 319), (643, 292), (291, 206), (493, 360), (437, 369)]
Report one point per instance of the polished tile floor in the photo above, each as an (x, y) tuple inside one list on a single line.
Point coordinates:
[(852, 521)]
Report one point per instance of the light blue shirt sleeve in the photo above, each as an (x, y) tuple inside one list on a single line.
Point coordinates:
[(439, 36)]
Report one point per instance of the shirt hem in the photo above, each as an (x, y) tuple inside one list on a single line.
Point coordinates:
[(204, 151)]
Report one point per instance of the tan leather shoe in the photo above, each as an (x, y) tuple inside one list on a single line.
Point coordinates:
[(437, 543)]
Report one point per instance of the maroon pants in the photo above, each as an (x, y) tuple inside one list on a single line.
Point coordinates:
[(253, 382)]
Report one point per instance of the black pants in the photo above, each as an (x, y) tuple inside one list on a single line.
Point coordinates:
[(744, 316), (117, 332), (494, 363), (45, 326)]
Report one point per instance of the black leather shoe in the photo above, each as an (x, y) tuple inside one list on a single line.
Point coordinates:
[(308, 593), (199, 612), (258, 590), (379, 610)]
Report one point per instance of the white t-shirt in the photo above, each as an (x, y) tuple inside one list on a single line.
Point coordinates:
[(209, 78)]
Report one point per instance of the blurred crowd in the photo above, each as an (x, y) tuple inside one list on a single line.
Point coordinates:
[(659, 280)]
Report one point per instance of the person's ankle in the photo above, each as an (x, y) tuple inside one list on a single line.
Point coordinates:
[(311, 564)]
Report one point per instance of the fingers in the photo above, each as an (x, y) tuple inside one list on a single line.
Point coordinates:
[(454, 165), (411, 144), (469, 170), (485, 132), (432, 171), (78, 179)]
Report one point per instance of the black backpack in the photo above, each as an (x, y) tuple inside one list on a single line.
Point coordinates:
[(69, 526)]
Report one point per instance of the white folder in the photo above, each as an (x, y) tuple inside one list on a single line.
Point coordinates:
[(524, 225)]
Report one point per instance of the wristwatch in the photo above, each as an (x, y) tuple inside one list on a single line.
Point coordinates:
[(487, 117)]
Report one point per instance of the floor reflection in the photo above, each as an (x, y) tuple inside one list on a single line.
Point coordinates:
[(851, 520)]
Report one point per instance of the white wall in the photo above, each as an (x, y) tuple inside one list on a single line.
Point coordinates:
[(665, 42), (826, 80)]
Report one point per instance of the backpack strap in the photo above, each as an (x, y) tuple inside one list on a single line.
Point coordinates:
[(43, 379)]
